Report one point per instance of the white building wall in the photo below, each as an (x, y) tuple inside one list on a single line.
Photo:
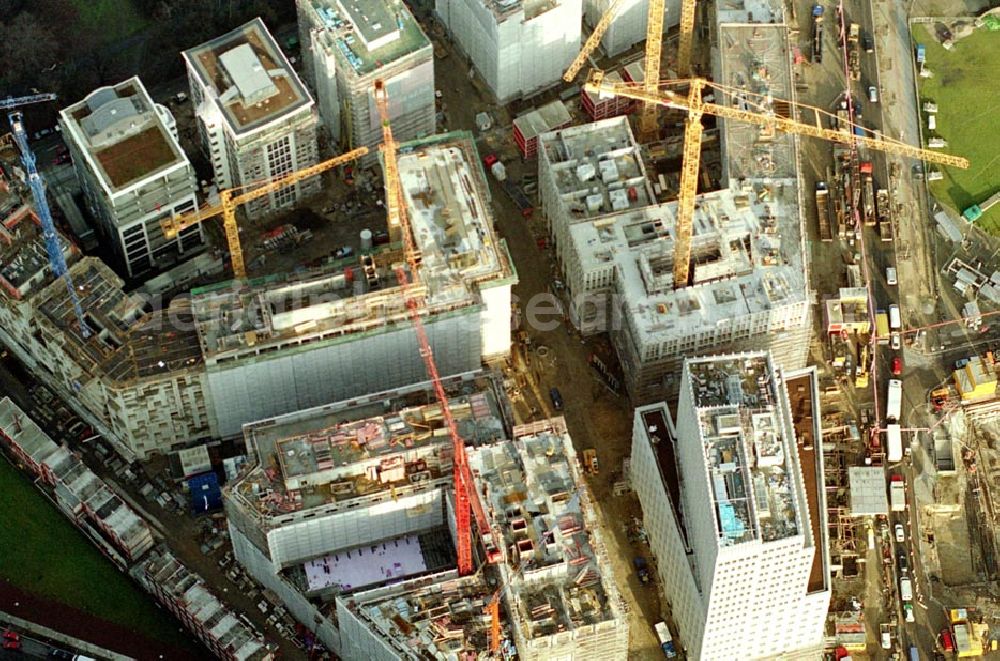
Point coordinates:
[(258, 566), (514, 56), (629, 26), (311, 538), (324, 77)]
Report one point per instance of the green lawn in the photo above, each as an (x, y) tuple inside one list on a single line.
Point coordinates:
[(45, 555), (114, 19), (965, 89)]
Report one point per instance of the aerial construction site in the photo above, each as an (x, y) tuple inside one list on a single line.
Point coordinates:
[(513, 330)]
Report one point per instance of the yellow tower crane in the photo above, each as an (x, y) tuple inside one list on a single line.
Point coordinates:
[(231, 198), (593, 40), (739, 99), (648, 128), (685, 35)]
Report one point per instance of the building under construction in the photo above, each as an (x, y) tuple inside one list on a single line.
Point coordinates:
[(355, 496), (155, 380), (256, 119), (346, 513), (133, 173), (346, 47), (518, 47), (557, 586), (615, 249)]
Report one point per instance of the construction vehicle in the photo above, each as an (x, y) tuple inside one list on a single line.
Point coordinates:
[(231, 198), (861, 369), (939, 398), (728, 103), (817, 16), (854, 51), (867, 193), (883, 213), (57, 261), (467, 501), (514, 192), (897, 494), (666, 640), (881, 327), (822, 211), (976, 211), (590, 461)]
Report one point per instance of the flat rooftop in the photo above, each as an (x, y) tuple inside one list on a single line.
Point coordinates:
[(745, 11), (253, 83), (749, 451), (534, 493), (121, 132), (746, 258), (448, 204), (126, 341), (439, 616), (347, 450), (754, 62), (368, 34), (658, 432), (597, 168)]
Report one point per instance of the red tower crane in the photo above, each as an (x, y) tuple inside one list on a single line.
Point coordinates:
[(466, 499)]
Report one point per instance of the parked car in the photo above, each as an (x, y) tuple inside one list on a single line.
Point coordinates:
[(873, 94), (890, 276), (946, 642), (895, 340), (345, 251), (11, 640), (959, 364), (380, 237), (904, 566), (556, 397), (900, 533), (908, 613), (896, 365)]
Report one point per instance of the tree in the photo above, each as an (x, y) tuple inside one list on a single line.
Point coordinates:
[(27, 48)]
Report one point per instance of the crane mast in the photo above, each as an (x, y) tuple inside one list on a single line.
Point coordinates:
[(466, 499), (648, 128), (37, 186), (685, 37), (695, 108)]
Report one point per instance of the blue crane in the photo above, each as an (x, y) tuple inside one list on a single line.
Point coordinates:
[(10, 102), (56, 258)]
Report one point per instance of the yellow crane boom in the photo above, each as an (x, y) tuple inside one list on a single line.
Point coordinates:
[(593, 40), (685, 35), (231, 198), (695, 108), (648, 127)]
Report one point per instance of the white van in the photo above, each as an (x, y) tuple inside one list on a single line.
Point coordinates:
[(931, 122), (890, 276)]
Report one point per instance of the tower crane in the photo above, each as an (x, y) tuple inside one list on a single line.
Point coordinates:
[(651, 70), (12, 102), (467, 500), (685, 36), (34, 180), (762, 116), (593, 40), (231, 198)]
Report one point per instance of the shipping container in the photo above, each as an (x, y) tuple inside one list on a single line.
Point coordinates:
[(882, 327)]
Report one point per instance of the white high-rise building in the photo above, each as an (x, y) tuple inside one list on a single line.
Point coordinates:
[(133, 173), (256, 119), (728, 509)]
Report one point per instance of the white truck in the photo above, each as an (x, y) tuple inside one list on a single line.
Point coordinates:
[(666, 640), (894, 443), (897, 494), (894, 401), (905, 589)]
